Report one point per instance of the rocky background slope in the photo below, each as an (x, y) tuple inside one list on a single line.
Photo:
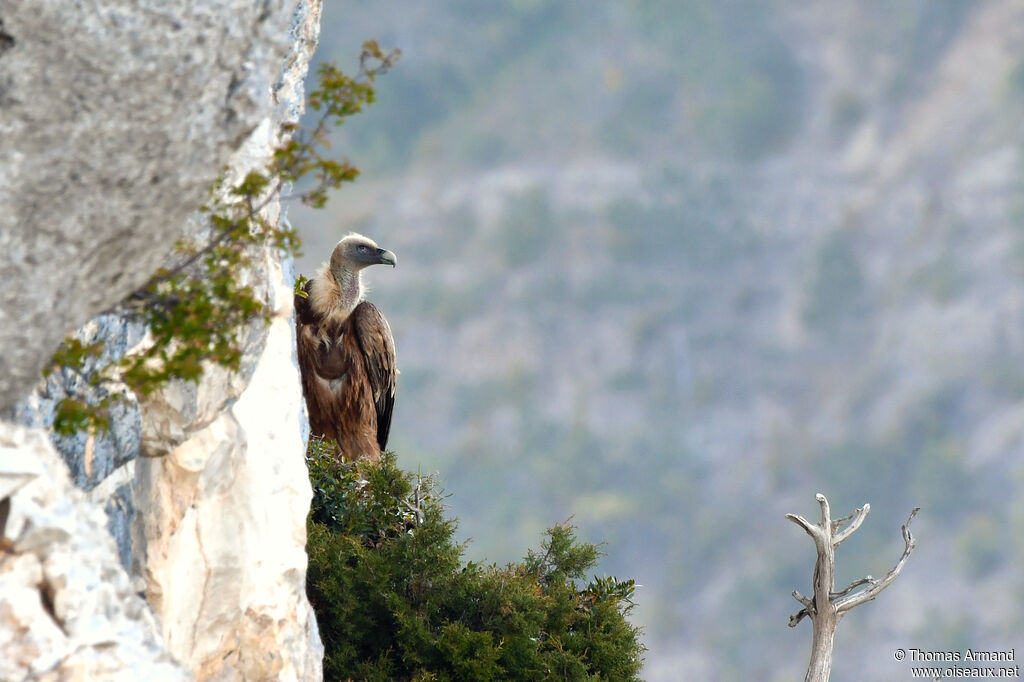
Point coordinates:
[(188, 562), (674, 267)]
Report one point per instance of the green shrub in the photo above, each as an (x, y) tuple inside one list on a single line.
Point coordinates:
[(395, 601)]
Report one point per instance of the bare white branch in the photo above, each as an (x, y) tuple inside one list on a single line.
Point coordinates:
[(827, 606), (795, 619), (803, 523), (847, 603), (838, 522), (852, 586), (826, 514), (802, 613), (858, 517)]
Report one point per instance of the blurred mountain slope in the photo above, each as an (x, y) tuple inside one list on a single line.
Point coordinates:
[(674, 267)]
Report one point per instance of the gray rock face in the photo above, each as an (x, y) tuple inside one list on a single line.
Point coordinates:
[(113, 123), (114, 120), (91, 458)]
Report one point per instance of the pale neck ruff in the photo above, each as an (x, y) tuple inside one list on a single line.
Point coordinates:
[(334, 297)]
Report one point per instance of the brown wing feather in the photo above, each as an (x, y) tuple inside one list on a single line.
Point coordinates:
[(348, 377), (378, 347)]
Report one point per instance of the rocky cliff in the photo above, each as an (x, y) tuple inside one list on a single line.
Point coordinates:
[(171, 547)]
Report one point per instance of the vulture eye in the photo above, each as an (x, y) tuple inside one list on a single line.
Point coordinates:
[(363, 248)]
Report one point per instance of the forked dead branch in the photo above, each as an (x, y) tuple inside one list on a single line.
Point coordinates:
[(828, 606)]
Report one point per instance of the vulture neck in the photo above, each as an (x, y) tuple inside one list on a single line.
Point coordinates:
[(334, 295)]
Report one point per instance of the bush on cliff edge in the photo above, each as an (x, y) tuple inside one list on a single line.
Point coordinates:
[(395, 601)]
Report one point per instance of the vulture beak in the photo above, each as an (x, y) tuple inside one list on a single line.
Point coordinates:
[(386, 257)]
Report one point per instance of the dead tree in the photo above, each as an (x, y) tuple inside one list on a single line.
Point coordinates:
[(827, 607)]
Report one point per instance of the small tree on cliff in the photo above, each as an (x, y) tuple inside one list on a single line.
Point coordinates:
[(395, 601)]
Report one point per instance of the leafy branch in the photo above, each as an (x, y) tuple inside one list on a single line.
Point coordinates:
[(197, 309)]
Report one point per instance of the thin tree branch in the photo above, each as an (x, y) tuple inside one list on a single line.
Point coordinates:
[(190, 260), (826, 513), (802, 613), (858, 517), (827, 606), (252, 210), (808, 527), (847, 603), (795, 619), (852, 586), (838, 522)]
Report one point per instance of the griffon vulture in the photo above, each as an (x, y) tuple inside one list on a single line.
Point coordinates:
[(346, 352)]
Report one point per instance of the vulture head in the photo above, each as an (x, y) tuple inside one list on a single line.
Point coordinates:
[(355, 252), (338, 288)]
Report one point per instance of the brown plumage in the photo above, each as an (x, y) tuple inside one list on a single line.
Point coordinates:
[(346, 353)]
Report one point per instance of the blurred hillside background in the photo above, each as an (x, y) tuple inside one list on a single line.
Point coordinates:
[(675, 266)]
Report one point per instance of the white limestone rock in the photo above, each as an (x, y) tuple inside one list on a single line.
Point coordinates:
[(68, 610), (224, 528), (172, 414)]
